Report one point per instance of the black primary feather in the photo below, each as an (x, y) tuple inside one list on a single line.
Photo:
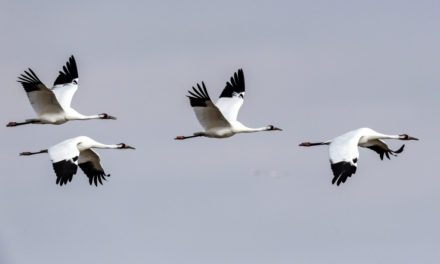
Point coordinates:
[(381, 151), (65, 170), (199, 96), (235, 85), (69, 73), (95, 175), (341, 171), (30, 81)]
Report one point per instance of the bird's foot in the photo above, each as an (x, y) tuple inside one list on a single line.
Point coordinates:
[(179, 138), (11, 124), (25, 154)]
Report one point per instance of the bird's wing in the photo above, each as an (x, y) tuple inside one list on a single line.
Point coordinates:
[(206, 112), (42, 99), (66, 84), (89, 162), (64, 158), (381, 148), (232, 97), (344, 155)]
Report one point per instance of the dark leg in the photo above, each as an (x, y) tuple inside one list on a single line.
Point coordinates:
[(13, 124), (308, 144), (27, 153), (183, 137)]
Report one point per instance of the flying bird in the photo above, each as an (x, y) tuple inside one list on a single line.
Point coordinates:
[(71, 153), (344, 153), (52, 106), (219, 120)]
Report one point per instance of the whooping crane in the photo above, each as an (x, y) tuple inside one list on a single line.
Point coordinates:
[(52, 106), (344, 153), (71, 153), (220, 120)]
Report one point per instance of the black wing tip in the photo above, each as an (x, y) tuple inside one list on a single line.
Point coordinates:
[(400, 150), (97, 178), (64, 170), (29, 80), (235, 85), (341, 171), (95, 175), (69, 72), (198, 96)]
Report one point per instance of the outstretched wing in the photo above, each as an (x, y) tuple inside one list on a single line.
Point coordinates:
[(206, 112), (89, 162), (64, 158), (232, 97), (42, 99), (381, 148), (344, 155), (66, 84)]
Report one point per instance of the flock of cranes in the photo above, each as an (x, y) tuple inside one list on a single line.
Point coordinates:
[(219, 120)]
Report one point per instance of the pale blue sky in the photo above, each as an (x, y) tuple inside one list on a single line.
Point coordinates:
[(314, 68)]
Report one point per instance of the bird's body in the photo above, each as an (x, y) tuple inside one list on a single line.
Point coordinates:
[(220, 120), (344, 153), (52, 106), (66, 156)]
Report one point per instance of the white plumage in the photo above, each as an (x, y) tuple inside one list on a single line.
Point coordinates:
[(71, 153), (220, 120), (52, 106), (344, 153)]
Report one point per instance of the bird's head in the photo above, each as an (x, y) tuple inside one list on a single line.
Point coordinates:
[(272, 128), (407, 137), (124, 146), (106, 116)]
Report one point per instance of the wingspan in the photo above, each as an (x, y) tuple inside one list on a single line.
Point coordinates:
[(344, 155), (66, 84), (89, 162), (206, 112), (381, 148), (232, 97), (42, 99)]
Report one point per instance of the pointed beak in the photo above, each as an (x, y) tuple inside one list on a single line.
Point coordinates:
[(111, 117), (412, 138), (276, 128), (129, 147)]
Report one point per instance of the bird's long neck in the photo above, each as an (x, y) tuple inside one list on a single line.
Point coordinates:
[(72, 114), (33, 153), (383, 136), (87, 117), (245, 129), (104, 146)]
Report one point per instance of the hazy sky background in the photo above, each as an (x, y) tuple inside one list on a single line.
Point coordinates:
[(314, 68)]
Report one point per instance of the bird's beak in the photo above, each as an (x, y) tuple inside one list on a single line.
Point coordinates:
[(412, 138), (129, 147), (276, 128), (111, 117)]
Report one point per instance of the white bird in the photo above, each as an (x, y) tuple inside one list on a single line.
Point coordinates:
[(52, 106), (220, 120), (344, 153), (71, 153)]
